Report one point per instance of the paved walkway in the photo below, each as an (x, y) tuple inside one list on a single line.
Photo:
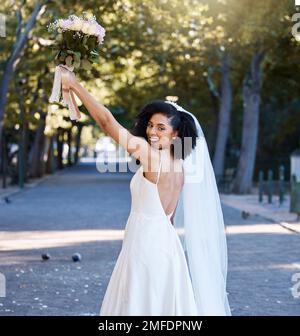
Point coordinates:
[(80, 210), (276, 212)]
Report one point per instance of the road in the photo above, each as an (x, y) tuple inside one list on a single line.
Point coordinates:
[(82, 211)]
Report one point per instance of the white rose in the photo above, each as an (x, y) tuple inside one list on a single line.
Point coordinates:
[(60, 23), (92, 29), (64, 24), (85, 27), (76, 25)]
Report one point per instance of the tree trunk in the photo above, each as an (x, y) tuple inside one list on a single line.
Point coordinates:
[(37, 151), (19, 45), (26, 146), (3, 98), (251, 96), (223, 119), (78, 139), (4, 164), (212, 129), (49, 165)]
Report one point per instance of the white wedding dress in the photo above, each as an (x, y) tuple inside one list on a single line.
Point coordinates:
[(151, 276)]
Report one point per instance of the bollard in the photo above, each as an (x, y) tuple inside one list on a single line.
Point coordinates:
[(295, 196), (260, 186), (281, 184), (270, 185)]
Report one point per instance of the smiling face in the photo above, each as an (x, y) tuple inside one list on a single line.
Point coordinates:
[(159, 131)]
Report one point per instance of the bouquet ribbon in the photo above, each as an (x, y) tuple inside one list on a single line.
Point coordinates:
[(68, 98)]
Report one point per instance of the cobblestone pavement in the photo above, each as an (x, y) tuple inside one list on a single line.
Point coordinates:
[(80, 210)]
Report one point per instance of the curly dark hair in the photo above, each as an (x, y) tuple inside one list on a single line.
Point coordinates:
[(180, 121)]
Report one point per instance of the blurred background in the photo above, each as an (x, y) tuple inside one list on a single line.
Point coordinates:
[(233, 63)]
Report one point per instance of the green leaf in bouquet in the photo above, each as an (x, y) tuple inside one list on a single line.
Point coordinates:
[(91, 42), (85, 39), (68, 39), (94, 56), (86, 65), (77, 56), (59, 38), (94, 60), (57, 55), (94, 53), (70, 52)]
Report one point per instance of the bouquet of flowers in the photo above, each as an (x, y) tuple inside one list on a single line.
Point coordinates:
[(77, 43)]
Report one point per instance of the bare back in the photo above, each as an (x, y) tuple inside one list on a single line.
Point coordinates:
[(169, 179)]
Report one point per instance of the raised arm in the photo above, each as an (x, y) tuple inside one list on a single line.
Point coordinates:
[(136, 146)]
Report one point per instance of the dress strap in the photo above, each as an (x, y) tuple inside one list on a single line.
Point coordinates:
[(159, 169)]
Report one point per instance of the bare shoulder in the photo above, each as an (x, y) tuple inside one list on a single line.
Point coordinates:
[(136, 146), (151, 164)]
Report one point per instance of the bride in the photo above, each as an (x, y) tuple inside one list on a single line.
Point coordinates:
[(173, 259)]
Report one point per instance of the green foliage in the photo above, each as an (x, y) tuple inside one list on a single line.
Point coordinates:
[(156, 48)]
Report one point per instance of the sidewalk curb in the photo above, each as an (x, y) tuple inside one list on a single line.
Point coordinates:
[(286, 225), (283, 224)]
